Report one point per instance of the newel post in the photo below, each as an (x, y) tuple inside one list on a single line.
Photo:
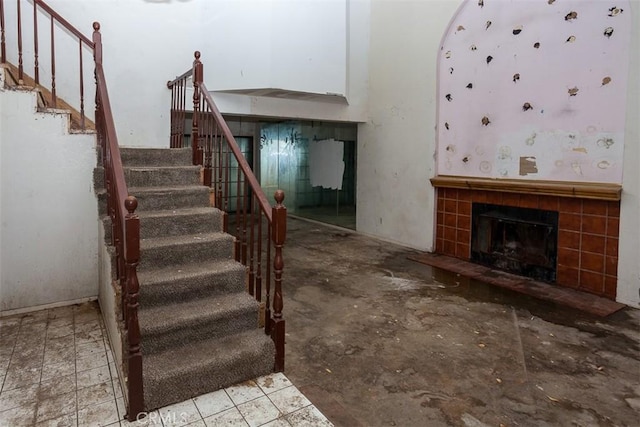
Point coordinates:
[(195, 138), (279, 217), (134, 356)]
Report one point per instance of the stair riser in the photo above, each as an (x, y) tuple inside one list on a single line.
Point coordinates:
[(173, 200), (180, 225), (200, 329), (162, 176), (186, 384), (191, 288), (155, 157), (197, 251)]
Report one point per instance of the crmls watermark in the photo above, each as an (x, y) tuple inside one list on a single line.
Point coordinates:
[(156, 418)]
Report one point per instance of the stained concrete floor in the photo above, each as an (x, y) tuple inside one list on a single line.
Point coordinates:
[(374, 339)]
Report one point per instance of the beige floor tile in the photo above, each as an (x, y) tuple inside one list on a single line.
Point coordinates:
[(122, 409), (179, 414), (9, 322), (90, 348), (101, 414), (85, 317), (8, 341), (22, 415), (113, 370), (289, 400), (308, 417), (56, 370), (34, 317), (90, 337), (59, 322), (91, 362), (280, 422), (199, 423), (117, 388), (151, 420), (259, 411), (212, 403), (93, 376), (60, 343), (32, 358), (231, 418), (60, 312), (244, 392), (62, 355), (94, 394), (273, 382), (23, 396), (18, 377), (90, 326), (56, 386), (60, 405), (69, 420), (59, 332)]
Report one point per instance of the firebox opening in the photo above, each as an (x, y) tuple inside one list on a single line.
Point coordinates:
[(518, 240)]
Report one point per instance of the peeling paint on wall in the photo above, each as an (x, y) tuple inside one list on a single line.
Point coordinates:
[(540, 85)]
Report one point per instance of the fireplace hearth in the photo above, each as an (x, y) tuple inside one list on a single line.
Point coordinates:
[(523, 241)]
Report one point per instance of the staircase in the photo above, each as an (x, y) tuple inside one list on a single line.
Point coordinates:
[(198, 325)]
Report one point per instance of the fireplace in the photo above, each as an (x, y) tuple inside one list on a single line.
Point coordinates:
[(519, 240), (587, 224)]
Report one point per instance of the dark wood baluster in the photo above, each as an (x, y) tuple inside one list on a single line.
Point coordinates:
[(54, 98), (36, 70), (134, 358), (197, 79), (81, 88), (252, 273), (20, 67), (238, 211), (267, 315), (172, 115), (208, 166), (3, 43), (245, 203), (182, 105), (226, 193), (259, 253), (279, 217)]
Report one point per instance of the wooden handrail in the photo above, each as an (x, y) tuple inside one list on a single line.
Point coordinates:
[(44, 6), (233, 145), (125, 231), (172, 83), (215, 148)]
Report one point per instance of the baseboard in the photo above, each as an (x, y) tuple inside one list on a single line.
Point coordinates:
[(46, 306)]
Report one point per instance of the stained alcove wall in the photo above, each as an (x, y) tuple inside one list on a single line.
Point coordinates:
[(535, 92)]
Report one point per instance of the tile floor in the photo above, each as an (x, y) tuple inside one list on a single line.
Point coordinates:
[(56, 369)]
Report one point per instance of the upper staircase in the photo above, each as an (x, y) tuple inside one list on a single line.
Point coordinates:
[(198, 325)]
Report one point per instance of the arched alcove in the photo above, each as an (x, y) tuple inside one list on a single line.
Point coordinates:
[(534, 90)]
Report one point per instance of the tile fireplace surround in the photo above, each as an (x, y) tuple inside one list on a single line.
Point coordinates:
[(588, 224)]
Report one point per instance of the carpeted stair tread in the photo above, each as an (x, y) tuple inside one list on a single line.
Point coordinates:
[(188, 281), (173, 222), (153, 176), (170, 197), (205, 366), (155, 156), (167, 326), (192, 248)]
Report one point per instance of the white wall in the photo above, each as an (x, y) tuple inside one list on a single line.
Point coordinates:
[(396, 146), (245, 44), (48, 234), (629, 249)]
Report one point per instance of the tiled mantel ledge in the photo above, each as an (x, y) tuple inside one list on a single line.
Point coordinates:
[(584, 190)]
